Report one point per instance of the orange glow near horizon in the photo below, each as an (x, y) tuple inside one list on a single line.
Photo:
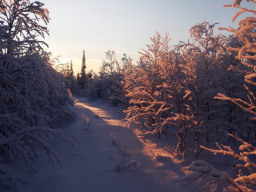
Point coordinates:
[(91, 64)]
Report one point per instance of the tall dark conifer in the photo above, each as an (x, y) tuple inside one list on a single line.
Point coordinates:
[(83, 78), (71, 69), (83, 65)]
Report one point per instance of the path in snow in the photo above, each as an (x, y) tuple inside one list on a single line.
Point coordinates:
[(90, 168)]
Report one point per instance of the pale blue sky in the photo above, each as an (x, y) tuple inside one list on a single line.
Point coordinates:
[(124, 26)]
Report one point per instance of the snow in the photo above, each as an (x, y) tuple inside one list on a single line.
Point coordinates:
[(209, 176), (97, 164)]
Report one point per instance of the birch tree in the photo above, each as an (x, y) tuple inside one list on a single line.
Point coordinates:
[(24, 22)]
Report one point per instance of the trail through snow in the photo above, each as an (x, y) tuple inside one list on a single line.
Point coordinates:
[(91, 167)]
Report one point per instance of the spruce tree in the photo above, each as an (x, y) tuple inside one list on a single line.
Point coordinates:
[(83, 78), (71, 69)]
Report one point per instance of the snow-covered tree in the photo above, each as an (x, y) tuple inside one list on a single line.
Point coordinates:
[(110, 65), (246, 54), (33, 99), (23, 23), (204, 70), (245, 178), (175, 87), (149, 87), (107, 84)]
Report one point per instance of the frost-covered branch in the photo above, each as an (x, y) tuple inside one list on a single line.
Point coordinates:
[(246, 150)]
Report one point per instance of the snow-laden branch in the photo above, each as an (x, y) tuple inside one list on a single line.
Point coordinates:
[(207, 177), (245, 151)]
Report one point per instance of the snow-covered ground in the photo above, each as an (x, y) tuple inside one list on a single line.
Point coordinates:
[(94, 165)]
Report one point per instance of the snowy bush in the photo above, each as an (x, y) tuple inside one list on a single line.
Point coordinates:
[(33, 100)]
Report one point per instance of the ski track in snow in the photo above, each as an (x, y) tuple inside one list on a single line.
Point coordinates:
[(90, 168)]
